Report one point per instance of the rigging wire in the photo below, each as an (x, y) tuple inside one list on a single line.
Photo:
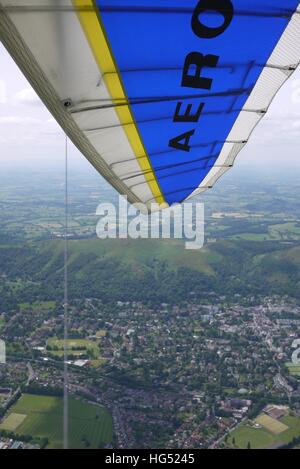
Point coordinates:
[(66, 309)]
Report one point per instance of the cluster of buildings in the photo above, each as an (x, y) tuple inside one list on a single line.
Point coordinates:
[(8, 443), (174, 376), (238, 408)]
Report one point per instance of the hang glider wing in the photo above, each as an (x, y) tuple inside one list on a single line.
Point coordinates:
[(159, 95)]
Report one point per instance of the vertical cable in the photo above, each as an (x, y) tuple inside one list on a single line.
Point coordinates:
[(66, 305)]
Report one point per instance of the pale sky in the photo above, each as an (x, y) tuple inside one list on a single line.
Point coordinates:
[(30, 136)]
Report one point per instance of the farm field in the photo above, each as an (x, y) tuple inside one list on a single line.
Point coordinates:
[(42, 416), (264, 438)]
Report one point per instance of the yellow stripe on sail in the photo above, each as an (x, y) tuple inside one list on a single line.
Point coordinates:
[(94, 31)]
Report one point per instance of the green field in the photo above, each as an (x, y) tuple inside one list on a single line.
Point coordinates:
[(280, 232), (261, 438), (42, 416), (272, 425), (2, 323), (290, 230), (37, 305), (13, 421), (75, 347), (293, 369)]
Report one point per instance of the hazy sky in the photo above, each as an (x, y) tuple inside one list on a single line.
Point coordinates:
[(29, 135)]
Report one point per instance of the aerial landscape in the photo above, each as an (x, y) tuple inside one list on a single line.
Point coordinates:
[(201, 359), (149, 228)]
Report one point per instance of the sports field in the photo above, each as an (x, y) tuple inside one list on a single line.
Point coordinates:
[(42, 416), (263, 438), (76, 347), (274, 426), (13, 421)]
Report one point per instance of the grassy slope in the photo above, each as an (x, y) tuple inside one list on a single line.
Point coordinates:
[(137, 253), (237, 265), (142, 252)]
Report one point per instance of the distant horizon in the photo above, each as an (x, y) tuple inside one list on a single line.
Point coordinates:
[(245, 171), (30, 137)]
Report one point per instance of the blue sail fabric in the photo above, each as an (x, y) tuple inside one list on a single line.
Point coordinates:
[(151, 41)]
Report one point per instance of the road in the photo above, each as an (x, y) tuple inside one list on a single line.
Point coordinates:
[(31, 374)]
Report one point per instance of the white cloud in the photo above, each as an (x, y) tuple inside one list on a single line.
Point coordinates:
[(51, 120), (3, 92), (296, 124), (31, 131), (295, 85), (28, 97), (17, 120)]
